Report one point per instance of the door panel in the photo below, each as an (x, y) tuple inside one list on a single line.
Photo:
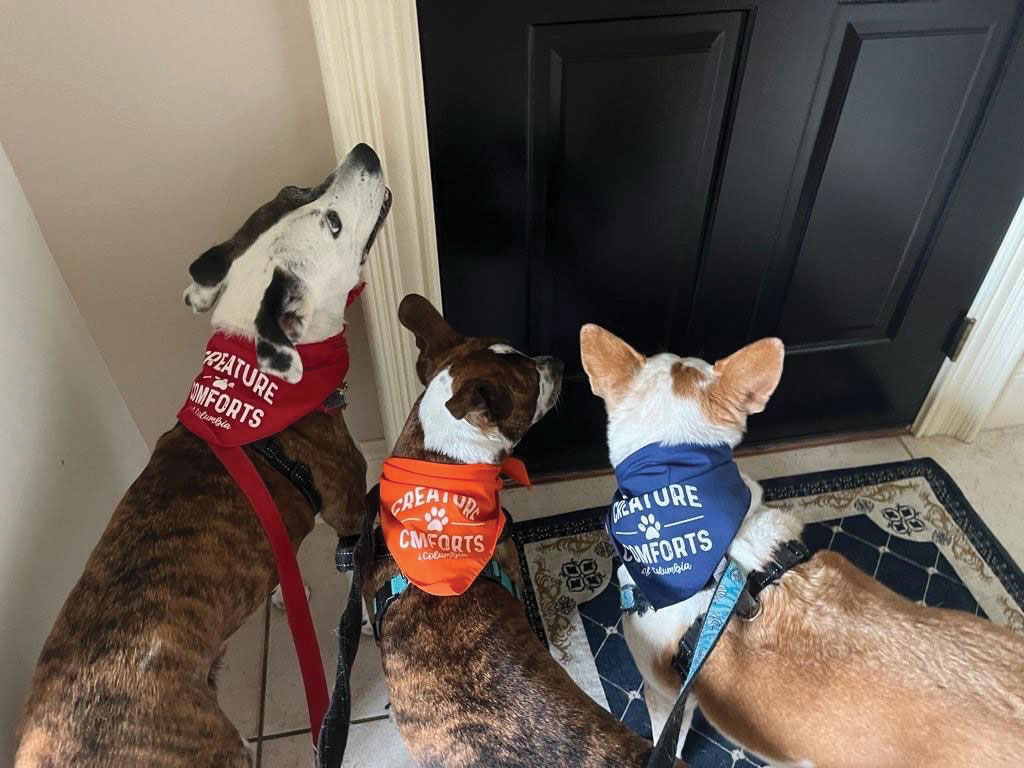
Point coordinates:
[(898, 95), (626, 118), (696, 174)]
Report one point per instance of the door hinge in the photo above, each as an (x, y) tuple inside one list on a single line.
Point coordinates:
[(959, 338)]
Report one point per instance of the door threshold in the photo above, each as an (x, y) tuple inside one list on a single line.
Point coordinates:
[(759, 449)]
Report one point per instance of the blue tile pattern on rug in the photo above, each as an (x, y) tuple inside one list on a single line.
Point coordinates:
[(914, 569)]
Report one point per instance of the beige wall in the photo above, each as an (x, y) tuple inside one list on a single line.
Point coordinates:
[(145, 132), (71, 447)]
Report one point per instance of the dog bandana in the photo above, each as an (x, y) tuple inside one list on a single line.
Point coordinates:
[(442, 522), (674, 516), (231, 403)]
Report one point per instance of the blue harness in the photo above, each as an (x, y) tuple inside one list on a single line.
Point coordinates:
[(673, 517)]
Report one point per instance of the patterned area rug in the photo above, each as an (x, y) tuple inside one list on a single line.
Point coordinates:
[(907, 524)]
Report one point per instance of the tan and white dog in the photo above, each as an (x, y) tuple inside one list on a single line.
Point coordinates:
[(836, 670)]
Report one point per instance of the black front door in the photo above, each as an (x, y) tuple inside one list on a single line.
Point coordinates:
[(695, 175)]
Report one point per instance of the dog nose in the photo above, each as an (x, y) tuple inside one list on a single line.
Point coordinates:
[(363, 154), (555, 364)]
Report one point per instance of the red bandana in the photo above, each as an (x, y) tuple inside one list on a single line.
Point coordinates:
[(232, 402), (442, 522)]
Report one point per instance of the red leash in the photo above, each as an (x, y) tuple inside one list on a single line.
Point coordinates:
[(300, 622), (233, 403)]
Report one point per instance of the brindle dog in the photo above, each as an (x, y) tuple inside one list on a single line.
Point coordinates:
[(126, 675), (470, 683)]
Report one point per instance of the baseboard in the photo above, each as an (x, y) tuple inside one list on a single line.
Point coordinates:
[(1009, 410), (374, 451)]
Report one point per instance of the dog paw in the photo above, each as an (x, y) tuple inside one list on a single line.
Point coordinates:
[(277, 596), (436, 519), (649, 527)]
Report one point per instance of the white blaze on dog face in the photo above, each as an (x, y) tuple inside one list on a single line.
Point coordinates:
[(285, 277), (671, 400), (482, 395)]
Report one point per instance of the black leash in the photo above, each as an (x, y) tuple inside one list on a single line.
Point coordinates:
[(334, 732)]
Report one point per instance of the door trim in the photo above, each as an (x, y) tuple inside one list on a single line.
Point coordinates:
[(965, 392), (373, 81)]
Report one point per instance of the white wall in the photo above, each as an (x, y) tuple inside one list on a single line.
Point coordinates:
[(70, 447), (144, 132), (1009, 409)]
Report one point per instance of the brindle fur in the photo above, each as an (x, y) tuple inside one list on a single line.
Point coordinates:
[(470, 684), (124, 678)]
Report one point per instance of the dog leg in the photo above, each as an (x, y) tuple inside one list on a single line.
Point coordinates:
[(367, 623), (659, 706), (277, 596)]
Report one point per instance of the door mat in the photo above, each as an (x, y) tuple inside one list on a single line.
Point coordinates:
[(906, 523)]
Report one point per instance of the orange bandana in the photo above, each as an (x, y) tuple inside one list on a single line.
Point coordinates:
[(442, 522)]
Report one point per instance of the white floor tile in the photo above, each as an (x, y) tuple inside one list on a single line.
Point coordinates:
[(288, 752), (549, 499), (823, 457), (238, 684), (370, 745), (990, 472), (285, 708)]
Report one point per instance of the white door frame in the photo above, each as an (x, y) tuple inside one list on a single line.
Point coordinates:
[(370, 58), (965, 392)]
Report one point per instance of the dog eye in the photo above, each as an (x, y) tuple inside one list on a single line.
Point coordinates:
[(333, 223)]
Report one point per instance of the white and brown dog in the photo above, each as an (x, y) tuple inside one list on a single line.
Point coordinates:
[(836, 670)]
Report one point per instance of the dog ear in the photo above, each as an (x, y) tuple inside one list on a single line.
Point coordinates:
[(434, 337), (282, 317), (482, 402), (746, 379), (610, 362), (208, 273)]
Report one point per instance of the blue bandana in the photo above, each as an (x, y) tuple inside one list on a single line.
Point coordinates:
[(674, 516)]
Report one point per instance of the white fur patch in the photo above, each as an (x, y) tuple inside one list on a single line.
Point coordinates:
[(456, 438), (651, 412), (504, 349), (545, 395), (200, 297)]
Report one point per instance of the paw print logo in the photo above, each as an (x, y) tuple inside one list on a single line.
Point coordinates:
[(649, 527), (436, 519)]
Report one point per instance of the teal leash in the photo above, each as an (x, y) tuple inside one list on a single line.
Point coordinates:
[(723, 606)]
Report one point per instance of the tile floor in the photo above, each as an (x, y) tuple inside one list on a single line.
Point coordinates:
[(260, 688)]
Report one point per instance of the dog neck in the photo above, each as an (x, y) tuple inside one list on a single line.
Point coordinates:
[(432, 433)]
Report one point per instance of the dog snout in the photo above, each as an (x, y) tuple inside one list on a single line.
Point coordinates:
[(363, 156), (551, 363)]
